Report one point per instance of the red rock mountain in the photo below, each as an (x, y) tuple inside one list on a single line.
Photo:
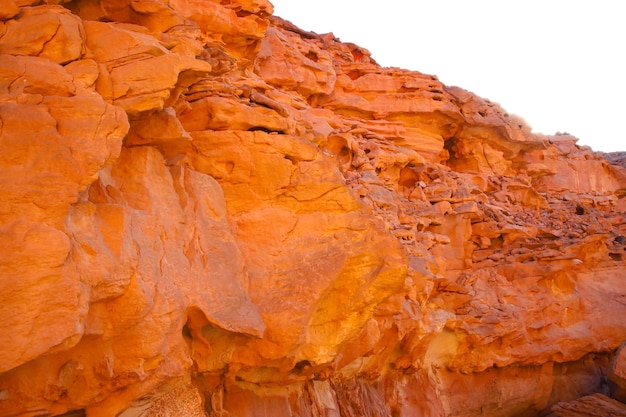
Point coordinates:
[(206, 211)]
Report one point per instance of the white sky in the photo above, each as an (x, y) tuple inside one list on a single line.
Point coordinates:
[(559, 64)]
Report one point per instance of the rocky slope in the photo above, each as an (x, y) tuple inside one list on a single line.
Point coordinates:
[(207, 211)]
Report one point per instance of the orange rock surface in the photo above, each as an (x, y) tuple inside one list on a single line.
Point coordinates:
[(206, 211), (592, 405), (617, 374)]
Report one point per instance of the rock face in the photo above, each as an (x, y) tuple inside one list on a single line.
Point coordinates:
[(592, 405), (206, 211), (617, 374)]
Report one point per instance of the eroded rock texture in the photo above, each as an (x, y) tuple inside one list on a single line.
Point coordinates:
[(207, 211)]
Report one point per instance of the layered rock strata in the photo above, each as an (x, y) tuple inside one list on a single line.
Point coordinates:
[(207, 211)]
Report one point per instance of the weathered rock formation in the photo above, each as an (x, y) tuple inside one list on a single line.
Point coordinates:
[(208, 211), (591, 405)]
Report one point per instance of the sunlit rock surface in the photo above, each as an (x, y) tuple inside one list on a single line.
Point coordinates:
[(206, 211)]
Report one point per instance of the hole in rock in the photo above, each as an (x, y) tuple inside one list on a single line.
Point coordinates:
[(312, 56), (616, 256), (339, 146), (620, 239), (302, 365), (580, 210), (186, 332), (354, 74), (408, 177), (291, 159), (497, 242), (450, 146), (265, 129), (357, 55)]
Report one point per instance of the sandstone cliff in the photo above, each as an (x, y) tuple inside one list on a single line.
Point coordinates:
[(207, 211)]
